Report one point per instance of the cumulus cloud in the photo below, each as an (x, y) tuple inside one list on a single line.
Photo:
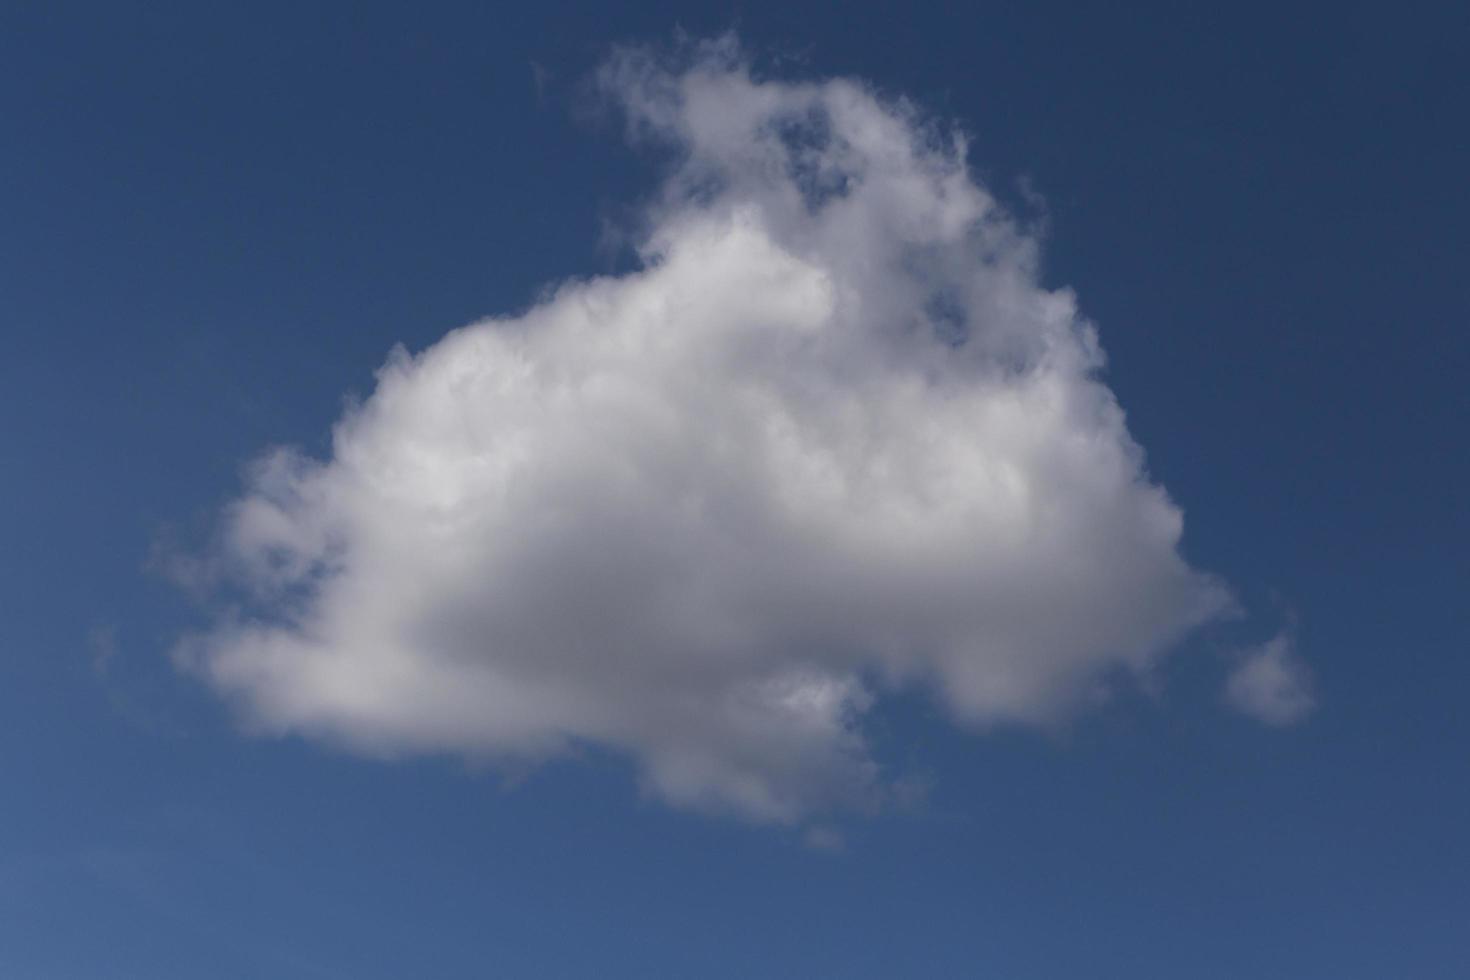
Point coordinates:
[(832, 437), (1271, 684)]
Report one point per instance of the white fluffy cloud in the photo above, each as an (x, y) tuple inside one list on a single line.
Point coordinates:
[(831, 438), (1271, 684)]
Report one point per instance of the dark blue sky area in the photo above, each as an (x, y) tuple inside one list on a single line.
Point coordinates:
[(215, 221)]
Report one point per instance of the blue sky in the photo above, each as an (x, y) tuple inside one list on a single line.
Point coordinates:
[(218, 223)]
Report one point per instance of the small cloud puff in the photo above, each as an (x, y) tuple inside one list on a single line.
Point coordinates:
[(1271, 684), (832, 437)]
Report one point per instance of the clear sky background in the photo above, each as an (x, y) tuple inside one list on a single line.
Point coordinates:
[(216, 221)]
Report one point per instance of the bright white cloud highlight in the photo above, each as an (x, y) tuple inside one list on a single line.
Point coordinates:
[(1271, 684), (833, 437)]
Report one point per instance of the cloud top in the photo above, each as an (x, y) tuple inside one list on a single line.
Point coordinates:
[(832, 437)]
